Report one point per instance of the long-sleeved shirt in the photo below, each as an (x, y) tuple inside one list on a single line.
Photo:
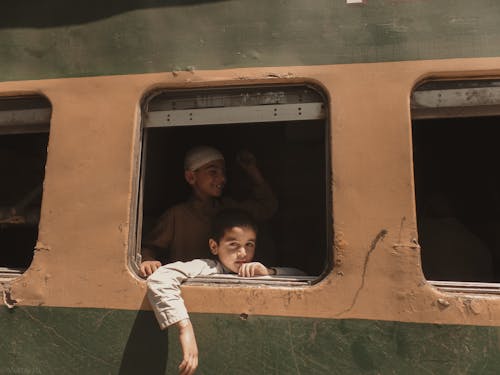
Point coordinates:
[(164, 286), (181, 233)]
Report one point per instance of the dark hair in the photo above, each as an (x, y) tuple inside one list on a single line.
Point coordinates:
[(229, 218)]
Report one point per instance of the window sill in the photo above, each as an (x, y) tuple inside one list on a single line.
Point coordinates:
[(257, 280), (466, 287), (7, 274)]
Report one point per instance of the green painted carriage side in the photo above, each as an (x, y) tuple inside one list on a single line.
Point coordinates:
[(57, 38), (43, 340)]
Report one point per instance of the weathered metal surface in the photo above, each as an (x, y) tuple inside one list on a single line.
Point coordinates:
[(80, 257), (80, 341), (62, 39), (41, 340)]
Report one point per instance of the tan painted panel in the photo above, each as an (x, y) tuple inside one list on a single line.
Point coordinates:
[(81, 257)]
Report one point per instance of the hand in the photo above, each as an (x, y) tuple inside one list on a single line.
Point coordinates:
[(253, 269), (189, 348), (247, 161), (148, 267)]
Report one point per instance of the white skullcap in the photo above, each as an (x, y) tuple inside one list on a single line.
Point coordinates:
[(199, 156)]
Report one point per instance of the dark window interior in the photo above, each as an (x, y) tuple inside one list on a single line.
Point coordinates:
[(292, 157), (24, 126), (457, 181), (22, 167)]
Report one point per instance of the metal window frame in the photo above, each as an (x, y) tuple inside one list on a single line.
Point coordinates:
[(274, 108), (457, 99), (22, 115), (257, 280), (236, 115), (466, 287), (453, 99)]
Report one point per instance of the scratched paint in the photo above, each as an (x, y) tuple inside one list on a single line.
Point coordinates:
[(378, 275), (303, 330), (377, 272), (61, 39), (42, 340)]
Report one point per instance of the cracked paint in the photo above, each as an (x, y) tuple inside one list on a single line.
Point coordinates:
[(40, 246), (379, 237)]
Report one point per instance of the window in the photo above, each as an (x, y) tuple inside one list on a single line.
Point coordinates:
[(284, 126), (24, 125), (456, 130)]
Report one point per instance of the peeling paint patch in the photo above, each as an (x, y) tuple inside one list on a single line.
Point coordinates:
[(280, 75), (293, 295), (442, 303), (412, 245), (8, 300), (473, 306), (339, 244), (243, 316), (40, 246)]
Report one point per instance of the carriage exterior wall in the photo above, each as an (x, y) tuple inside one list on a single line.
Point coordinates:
[(79, 308)]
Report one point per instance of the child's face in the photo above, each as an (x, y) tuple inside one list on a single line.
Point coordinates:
[(236, 247), (208, 181)]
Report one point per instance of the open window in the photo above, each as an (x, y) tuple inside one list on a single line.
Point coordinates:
[(456, 153), (24, 127), (285, 127)]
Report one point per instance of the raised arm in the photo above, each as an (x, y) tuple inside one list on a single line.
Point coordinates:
[(263, 204)]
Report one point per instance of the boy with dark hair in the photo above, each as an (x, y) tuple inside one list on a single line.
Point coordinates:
[(233, 241), (182, 231)]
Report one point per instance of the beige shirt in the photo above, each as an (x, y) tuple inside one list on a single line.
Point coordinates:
[(182, 232)]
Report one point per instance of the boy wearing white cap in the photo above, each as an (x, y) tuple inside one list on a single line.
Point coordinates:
[(182, 231)]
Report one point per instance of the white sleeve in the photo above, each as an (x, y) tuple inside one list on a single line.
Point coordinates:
[(164, 292)]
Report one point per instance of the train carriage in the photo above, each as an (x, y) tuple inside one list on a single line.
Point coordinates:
[(375, 123)]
